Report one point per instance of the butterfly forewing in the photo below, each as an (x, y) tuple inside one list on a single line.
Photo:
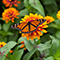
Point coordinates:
[(28, 27), (36, 23), (32, 28)]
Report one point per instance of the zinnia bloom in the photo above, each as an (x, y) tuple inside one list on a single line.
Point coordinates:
[(49, 19), (37, 33), (58, 14), (11, 2), (2, 44), (10, 14)]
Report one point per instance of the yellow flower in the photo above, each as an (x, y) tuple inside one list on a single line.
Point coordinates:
[(2, 44), (11, 2), (49, 19), (37, 33), (10, 14), (58, 14)]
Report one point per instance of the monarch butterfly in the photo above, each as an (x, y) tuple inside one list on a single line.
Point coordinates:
[(28, 27)]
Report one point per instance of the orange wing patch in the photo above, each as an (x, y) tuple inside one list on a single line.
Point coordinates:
[(35, 23), (21, 25), (32, 28), (26, 29)]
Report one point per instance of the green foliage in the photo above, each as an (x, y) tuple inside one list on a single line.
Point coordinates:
[(8, 47), (0, 26), (46, 48), (28, 44), (49, 58), (29, 54), (23, 12), (55, 44), (37, 5), (17, 55), (6, 26)]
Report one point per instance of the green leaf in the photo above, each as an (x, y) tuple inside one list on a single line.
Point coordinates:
[(29, 54), (28, 44), (49, 58), (37, 5), (26, 3), (17, 55), (45, 38), (21, 5), (57, 23), (58, 34), (51, 8), (0, 18), (0, 27), (51, 30), (54, 26), (55, 44), (20, 40), (6, 26), (10, 56), (48, 1), (2, 57), (13, 37), (57, 54), (18, 47), (44, 46), (3, 33), (8, 47), (6, 58), (3, 39), (36, 58), (9, 33), (23, 12), (38, 41)]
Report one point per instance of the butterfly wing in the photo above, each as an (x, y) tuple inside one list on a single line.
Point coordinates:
[(19, 26), (34, 24), (28, 27)]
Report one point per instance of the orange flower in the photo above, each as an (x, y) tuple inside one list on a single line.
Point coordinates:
[(37, 33), (58, 14), (22, 46), (6, 55), (11, 2), (2, 44), (11, 51), (49, 19), (22, 42), (10, 14)]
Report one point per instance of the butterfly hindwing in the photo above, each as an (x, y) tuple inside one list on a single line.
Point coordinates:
[(28, 27), (19, 26)]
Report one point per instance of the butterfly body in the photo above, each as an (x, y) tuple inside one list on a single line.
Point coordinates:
[(28, 27)]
